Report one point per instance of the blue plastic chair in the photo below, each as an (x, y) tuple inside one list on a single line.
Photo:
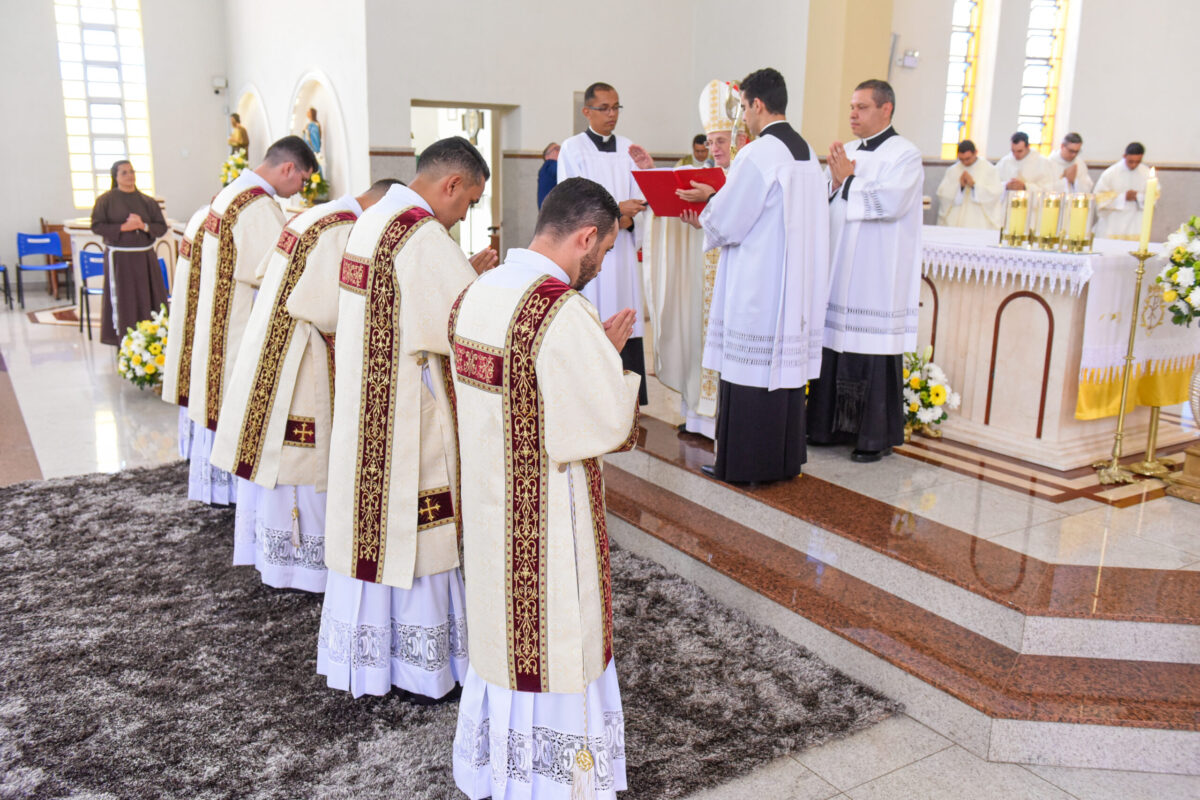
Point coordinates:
[(91, 265), (41, 244), (162, 264)]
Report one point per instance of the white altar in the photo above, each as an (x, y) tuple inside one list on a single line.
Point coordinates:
[(1008, 327)]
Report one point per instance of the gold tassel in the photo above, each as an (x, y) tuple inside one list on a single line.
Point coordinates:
[(583, 776), (295, 521)]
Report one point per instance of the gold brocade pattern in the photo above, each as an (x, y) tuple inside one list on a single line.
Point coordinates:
[(331, 362), (376, 416), (187, 330), (452, 398), (277, 342), (709, 378), (223, 301), (526, 487)]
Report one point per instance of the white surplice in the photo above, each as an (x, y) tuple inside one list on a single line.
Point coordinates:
[(876, 239), (619, 284), (1117, 216), (978, 206), (1083, 179), (770, 221), (1035, 170)]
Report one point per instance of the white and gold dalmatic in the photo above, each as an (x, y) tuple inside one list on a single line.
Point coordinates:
[(680, 275), (391, 508), (540, 397), (177, 372), (278, 407)]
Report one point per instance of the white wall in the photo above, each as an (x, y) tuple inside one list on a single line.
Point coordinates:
[(924, 26), (274, 44), (184, 50)]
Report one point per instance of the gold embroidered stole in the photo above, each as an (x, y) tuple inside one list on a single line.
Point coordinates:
[(222, 226), (709, 378), (376, 415), (186, 329), (275, 346)]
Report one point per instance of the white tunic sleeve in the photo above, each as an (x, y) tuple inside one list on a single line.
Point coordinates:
[(590, 402), (431, 272), (568, 167), (889, 194), (315, 296), (257, 231), (732, 212), (949, 193)]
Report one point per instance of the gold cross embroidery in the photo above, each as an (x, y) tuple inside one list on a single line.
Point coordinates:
[(304, 432), (430, 508)]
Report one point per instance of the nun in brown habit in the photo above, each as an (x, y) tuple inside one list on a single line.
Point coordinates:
[(130, 222)]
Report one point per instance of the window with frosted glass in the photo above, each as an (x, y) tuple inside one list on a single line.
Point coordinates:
[(960, 77), (1044, 44), (103, 71)]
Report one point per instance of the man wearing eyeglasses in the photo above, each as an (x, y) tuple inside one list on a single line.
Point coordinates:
[(1072, 168), (600, 155)]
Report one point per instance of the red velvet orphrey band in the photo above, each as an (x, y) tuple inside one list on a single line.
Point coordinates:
[(377, 411), (277, 342), (185, 329), (223, 297)]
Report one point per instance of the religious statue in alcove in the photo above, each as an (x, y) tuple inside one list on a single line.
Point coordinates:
[(312, 132), (472, 123)]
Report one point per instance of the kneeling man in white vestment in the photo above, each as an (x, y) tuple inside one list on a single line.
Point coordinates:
[(541, 397), (242, 226), (393, 609), (278, 407), (771, 221), (1121, 196), (970, 194), (875, 219)]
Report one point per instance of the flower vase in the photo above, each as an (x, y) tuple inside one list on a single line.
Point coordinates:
[(930, 431), (908, 431)]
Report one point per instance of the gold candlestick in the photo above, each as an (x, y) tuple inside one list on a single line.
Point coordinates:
[(1111, 471), (1150, 466)]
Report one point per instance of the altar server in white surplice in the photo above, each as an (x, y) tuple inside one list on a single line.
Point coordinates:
[(278, 406), (680, 275), (970, 194), (1071, 168), (393, 609), (1121, 196), (771, 221), (178, 349), (541, 397), (1025, 168), (600, 155), (244, 222), (875, 215)]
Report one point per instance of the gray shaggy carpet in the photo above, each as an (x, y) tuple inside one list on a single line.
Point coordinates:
[(135, 662)]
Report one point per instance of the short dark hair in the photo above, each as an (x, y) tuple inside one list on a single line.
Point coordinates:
[(589, 94), (546, 149), (454, 154), (1020, 136), (881, 92), (700, 138), (383, 184), (967, 146), (768, 86), (236, 117), (293, 149), (1135, 149), (576, 203), (1073, 138)]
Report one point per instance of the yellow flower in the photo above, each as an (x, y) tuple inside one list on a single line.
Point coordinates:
[(152, 327), (316, 178), (1170, 296), (906, 373), (137, 359), (160, 360), (164, 341), (914, 407), (937, 395), (150, 369), (155, 348), (915, 382)]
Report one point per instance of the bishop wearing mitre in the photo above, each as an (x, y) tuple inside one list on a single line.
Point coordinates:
[(243, 223), (277, 410), (970, 194), (393, 607)]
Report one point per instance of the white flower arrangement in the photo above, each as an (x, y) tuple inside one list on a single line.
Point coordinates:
[(1178, 279), (927, 394), (233, 166), (143, 350)]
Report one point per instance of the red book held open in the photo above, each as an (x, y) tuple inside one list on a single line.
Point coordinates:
[(659, 185)]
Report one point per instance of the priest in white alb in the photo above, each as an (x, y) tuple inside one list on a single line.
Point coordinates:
[(1071, 168), (680, 275), (393, 607), (178, 348), (1026, 168), (875, 216), (278, 407), (601, 155), (1121, 196), (243, 223), (771, 222), (970, 194), (541, 397)]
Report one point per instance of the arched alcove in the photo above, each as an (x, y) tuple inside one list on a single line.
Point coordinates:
[(253, 112), (316, 91)]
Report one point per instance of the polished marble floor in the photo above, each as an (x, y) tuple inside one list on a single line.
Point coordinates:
[(81, 417)]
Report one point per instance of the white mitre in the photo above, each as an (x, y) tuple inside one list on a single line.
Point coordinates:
[(718, 107)]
